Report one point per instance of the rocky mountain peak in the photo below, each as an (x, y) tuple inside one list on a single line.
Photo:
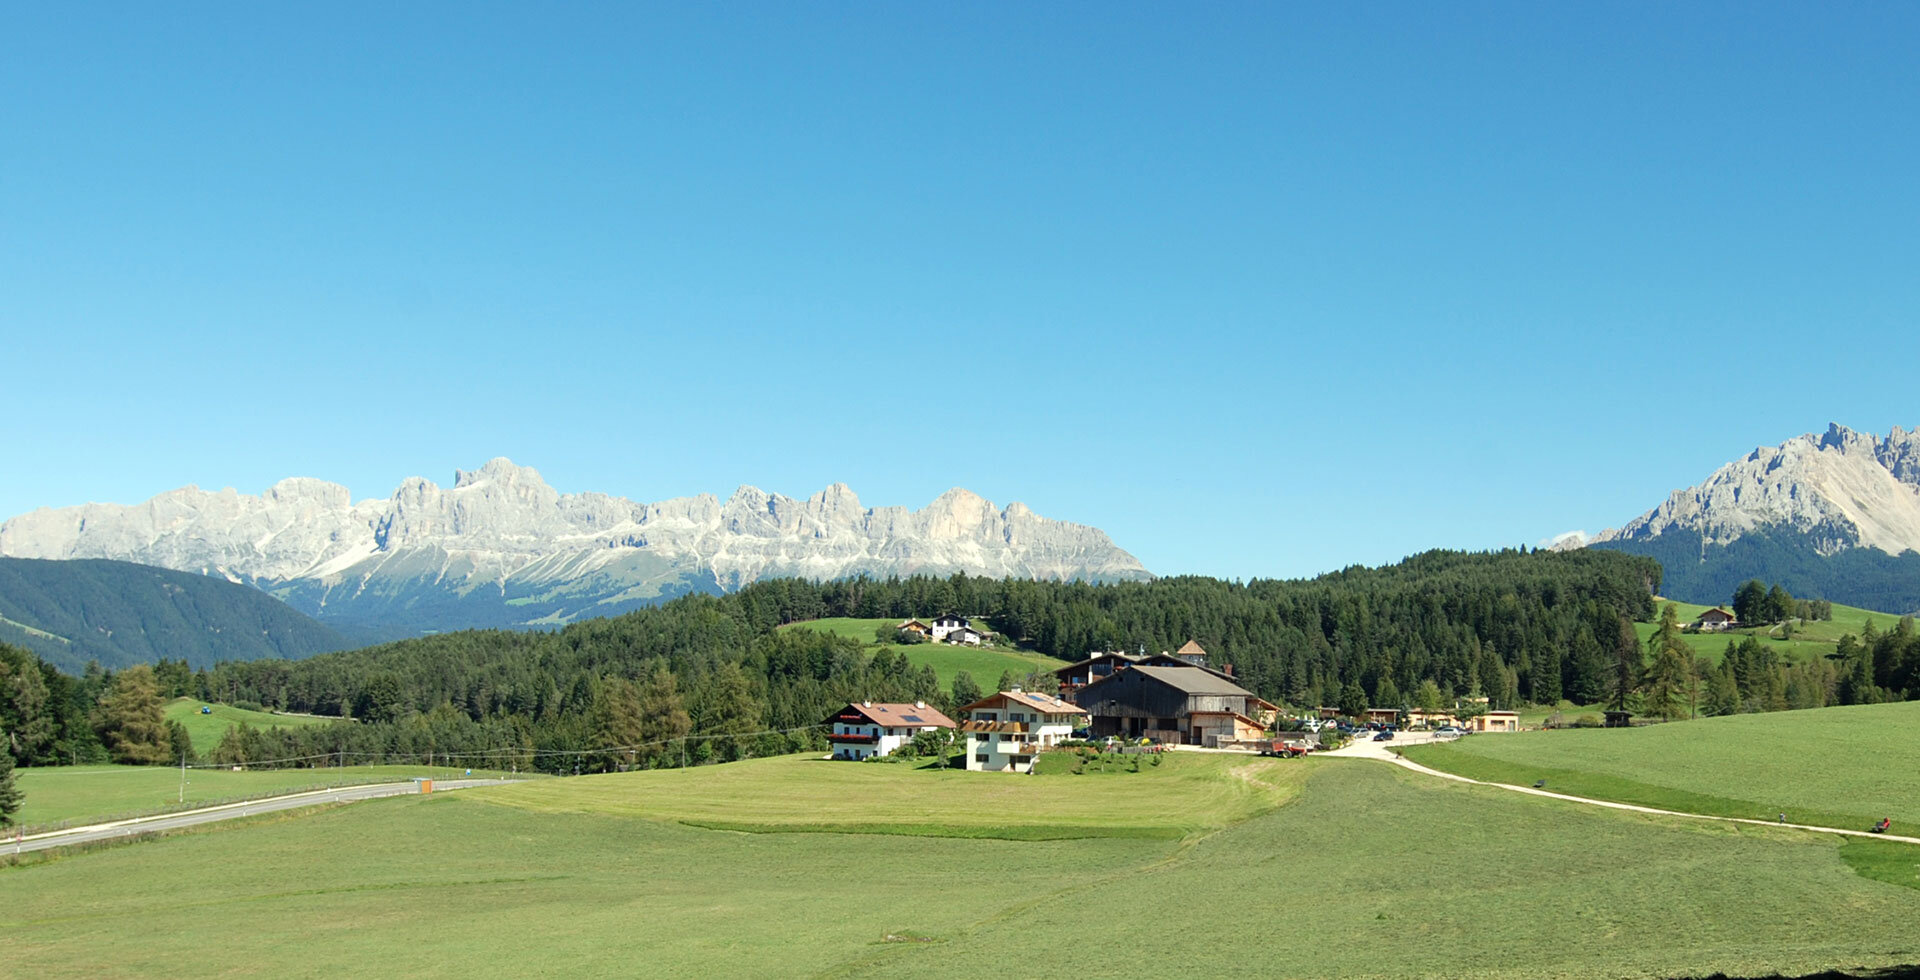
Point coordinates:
[(503, 542)]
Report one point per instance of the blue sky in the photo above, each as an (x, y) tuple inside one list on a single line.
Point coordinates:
[(1262, 290)]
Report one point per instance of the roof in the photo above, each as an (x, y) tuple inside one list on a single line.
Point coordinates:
[(1191, 680), (1719, 610), (1043, 703), (1192, 649), (910, 622), (906, 715), (942, 619)]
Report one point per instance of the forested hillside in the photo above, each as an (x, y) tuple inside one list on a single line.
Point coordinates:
[(118, 613), (1707, 573), (1512, 625)]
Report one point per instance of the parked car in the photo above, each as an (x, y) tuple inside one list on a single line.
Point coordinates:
[(1385, 735), (1449, 732)]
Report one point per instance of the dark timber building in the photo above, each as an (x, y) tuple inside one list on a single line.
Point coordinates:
[(1185, 705)]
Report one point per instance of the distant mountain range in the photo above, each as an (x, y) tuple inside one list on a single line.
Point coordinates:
[(502, 548), (120, 613), (1834, 516)]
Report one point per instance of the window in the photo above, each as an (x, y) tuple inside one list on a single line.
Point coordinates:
[(981, 758)]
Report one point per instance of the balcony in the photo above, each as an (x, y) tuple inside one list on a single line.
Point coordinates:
[(852, 737), (997, 727)]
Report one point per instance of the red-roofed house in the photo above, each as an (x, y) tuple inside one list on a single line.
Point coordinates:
[(867, 730), (1006, 730)]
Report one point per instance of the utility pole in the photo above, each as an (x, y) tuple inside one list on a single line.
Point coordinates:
[(183, 775)]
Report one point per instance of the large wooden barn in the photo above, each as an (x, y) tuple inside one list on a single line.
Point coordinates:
[(1185, 705)]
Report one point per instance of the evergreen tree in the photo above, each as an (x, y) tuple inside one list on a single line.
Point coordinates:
[(1387, 695), (1723, 692), (1006, 682), (728, 707), (1353, 700), (131, 721), (1429, 696), (965, 691), (663, 717), (1749, 601), (10, 795), (1778, 607), (1624, 680), (618, 725), (1667, 682)]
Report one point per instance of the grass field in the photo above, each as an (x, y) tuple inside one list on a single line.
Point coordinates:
[(1810, 639), (1833, 767), (984, 663), (207, 730), (1335, 868), (1186, 793), (70, 794)]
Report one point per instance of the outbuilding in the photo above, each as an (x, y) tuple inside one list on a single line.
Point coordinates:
[(1183, 705)]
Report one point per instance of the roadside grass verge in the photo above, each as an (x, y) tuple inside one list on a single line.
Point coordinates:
[(58, 797), (1895, 864)]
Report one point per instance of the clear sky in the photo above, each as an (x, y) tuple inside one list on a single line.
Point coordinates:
[(1261, 289)]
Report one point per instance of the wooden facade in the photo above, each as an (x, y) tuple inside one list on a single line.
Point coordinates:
[(1186, 705)]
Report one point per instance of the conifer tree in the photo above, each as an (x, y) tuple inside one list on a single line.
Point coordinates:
[(10, 795), (131, 721)]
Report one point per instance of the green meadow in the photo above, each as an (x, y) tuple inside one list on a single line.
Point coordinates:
[(1808, 639), (1833, 767), (1306, 868), (65, 795), (985, 664), (206, 730)]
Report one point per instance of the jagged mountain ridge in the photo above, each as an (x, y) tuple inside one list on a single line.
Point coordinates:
[(1835, 515), (500, 547)]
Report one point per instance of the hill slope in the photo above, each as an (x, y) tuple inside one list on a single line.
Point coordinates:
[(1835, 767), (502, 548), (119, 613)]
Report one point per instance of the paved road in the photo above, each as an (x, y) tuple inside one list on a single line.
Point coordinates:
[(230, 811), (1379, 750)]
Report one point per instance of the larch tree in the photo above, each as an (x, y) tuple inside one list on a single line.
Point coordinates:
[(131, 721), (10, 795)]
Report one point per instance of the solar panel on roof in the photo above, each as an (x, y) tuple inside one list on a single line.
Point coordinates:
[(912, 718)]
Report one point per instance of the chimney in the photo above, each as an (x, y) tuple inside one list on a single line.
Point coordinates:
[(919, 704), (866, 704), (1227, 669), (1016, 689)]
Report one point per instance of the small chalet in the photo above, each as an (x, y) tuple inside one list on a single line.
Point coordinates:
[(943, 625), (1495, 721), (1383, 716), (867, 730), (916, 627), (1005, 731), (967, 635), (1185, 705), (1716, 619)]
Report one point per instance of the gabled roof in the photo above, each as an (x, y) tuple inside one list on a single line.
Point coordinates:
[(1191, 649), (1046, 704), (1188, 680), (1719, 610), (910, 622), (896, 715), (942, 619)]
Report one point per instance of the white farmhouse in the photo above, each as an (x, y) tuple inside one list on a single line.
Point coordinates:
[(1006, 730), (868, 730), (947, 624)]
